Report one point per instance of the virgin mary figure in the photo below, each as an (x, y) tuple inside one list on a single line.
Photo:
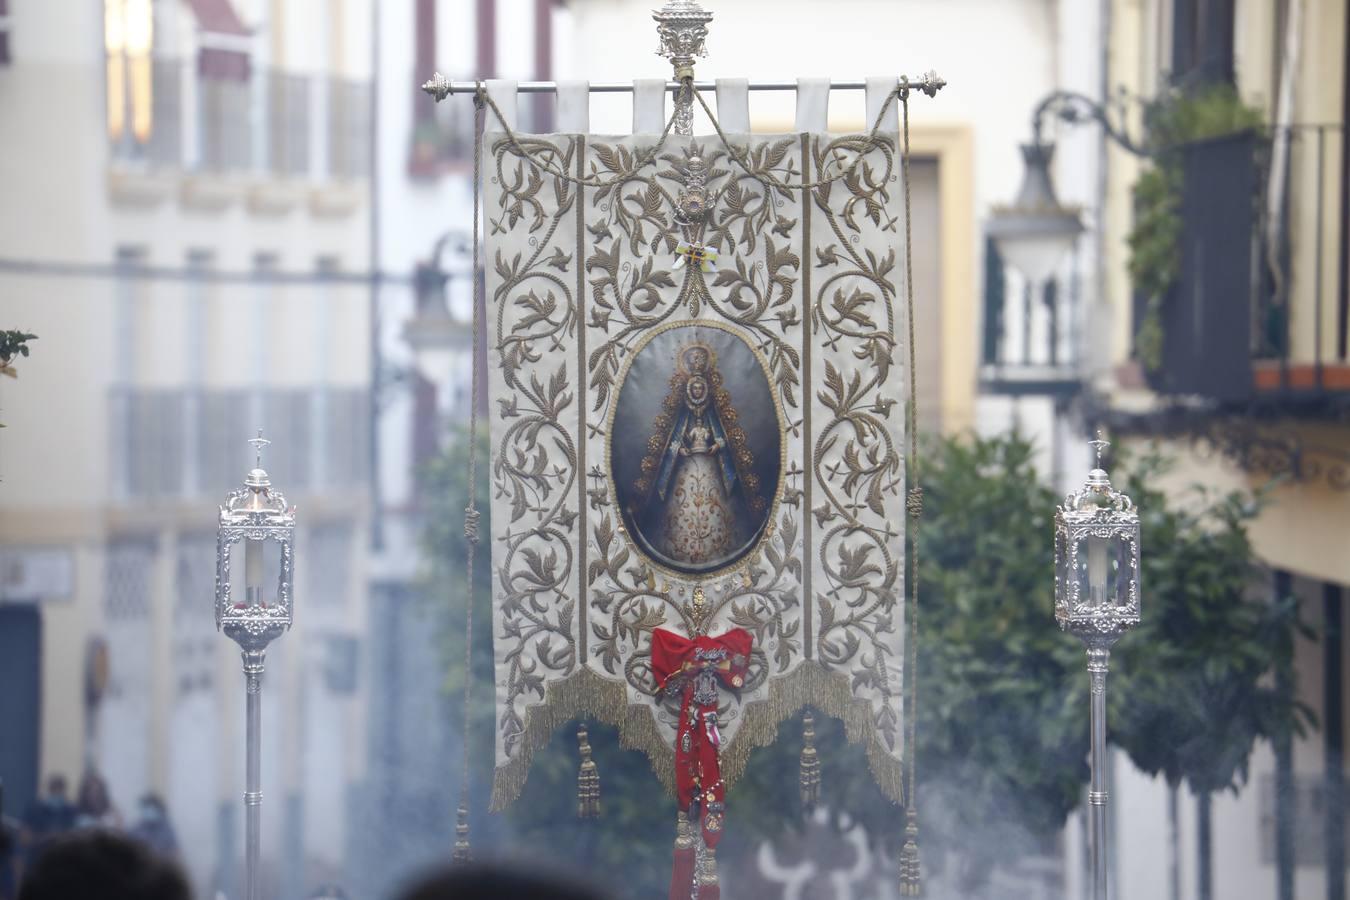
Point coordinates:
[(700, 496)]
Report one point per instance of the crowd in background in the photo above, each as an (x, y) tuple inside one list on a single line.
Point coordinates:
[(54, 816), (83, 850)]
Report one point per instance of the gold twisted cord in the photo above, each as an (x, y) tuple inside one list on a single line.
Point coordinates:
[(471, 515), (910, 874), (768, 178), (644, 159), (641, 160)]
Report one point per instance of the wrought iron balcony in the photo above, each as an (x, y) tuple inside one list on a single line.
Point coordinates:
[(271, 122), (172, 443), (1257, 316)]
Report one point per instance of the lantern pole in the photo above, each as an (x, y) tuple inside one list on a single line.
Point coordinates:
[(1098, 658), (1097, 597), (253, 672), (253, 515)]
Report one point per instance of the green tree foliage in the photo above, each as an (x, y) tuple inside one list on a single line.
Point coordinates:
[(1002, 696), (1195, 690)]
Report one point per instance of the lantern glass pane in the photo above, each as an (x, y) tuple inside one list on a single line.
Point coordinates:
[(1100, 568), (1125, 573), (1061, 566), (263, 573)]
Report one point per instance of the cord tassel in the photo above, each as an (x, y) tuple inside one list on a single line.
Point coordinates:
[(809, 776), (683, 858), (588, 778), (709, 885), (463, 852), (911, 876)]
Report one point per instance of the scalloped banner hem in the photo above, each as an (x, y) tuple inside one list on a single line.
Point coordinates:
[(586, 694)]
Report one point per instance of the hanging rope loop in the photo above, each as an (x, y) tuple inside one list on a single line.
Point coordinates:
[(471, 517), (911, 880)]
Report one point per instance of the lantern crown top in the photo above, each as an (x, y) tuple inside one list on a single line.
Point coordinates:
[(1097, 492), (256, 503)]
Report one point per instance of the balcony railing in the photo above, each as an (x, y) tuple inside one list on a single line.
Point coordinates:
[(184, 443), (288, 120), (268, 123), (349, 128), (1029, 345)]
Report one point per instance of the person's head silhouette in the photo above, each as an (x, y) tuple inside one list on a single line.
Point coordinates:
[(102, 865)]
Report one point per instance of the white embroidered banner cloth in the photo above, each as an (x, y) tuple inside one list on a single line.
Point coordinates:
[(697, 424)]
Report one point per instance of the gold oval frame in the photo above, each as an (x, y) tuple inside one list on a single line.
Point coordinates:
[(752, 555)]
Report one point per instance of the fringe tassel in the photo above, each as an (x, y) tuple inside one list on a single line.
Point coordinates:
[(463, 853), (911, 877), (709, 886), (682, 868), (809, 775), (588, 778), (585, 694)]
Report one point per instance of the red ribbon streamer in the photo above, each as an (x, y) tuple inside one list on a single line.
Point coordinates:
[(696, 668)]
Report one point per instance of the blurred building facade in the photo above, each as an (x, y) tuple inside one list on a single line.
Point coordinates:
[(1253, 382), (187, 230)]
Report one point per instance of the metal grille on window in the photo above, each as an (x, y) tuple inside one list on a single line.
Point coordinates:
[(194, 635), (122, 732), (288, 123), (330, 550)]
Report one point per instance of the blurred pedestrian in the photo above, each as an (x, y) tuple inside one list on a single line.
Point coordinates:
[(102, 865), (153, 828), (493, 882), (93, 804), (51, 815), (9, 856), (329, 892)]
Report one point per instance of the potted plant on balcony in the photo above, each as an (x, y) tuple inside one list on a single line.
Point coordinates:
[(1174, 121)]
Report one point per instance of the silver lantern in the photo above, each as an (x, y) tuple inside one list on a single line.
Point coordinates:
[(1097, 600), (253, 516)]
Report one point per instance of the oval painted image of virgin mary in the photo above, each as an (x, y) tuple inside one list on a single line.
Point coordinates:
[(695, 448)]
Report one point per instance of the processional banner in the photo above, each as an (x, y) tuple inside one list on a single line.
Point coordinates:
[(697, 426)]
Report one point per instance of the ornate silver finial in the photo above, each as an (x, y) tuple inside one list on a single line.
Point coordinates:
[(438, 86), (931, 83), (257, 478), (1100, 445), (259, 443), (1098, 477), (682, 26)]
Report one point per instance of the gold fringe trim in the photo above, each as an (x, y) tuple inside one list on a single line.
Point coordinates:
[(584, 694)]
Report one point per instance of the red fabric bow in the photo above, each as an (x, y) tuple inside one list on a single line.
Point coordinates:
[(696, 668)]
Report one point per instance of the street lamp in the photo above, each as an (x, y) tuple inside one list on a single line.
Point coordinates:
[(1036, 232), (254, 514), (1097, 600), (436, 337)]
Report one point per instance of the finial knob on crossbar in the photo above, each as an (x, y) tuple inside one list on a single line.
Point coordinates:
[(682, 26)]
